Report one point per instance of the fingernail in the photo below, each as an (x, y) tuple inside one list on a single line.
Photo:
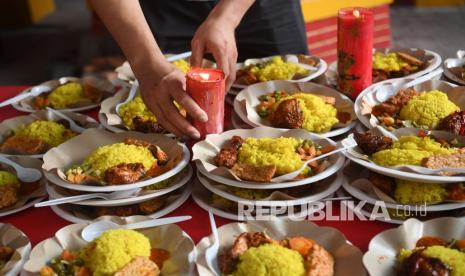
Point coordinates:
[(194, 134), (204, 118)]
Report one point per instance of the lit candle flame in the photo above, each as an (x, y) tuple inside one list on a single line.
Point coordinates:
[(356, 13), (204, 76)]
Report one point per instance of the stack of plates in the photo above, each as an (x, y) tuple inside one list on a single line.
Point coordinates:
[(160, 201), (378, 205), (227, 196)]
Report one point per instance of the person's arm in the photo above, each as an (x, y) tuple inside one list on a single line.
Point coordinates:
[(216, 36), (160, 82)]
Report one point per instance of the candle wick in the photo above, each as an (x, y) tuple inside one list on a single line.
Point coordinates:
[(356, 13)]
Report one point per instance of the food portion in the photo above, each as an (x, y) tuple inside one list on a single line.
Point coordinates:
[(433, 256), (143, 208), (421, 150), (68, 95), (118, 252), (254, 253), (395, 65), (428, 109), (11, 189), (410, 192), (274, 69), (261, 159), (136, 116), (6, 253), (37, 137), (121, 163), (315, 113)]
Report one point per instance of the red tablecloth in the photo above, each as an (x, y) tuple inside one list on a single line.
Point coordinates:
[(42, 223)]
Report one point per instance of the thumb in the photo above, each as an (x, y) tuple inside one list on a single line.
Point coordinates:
[(197, 53)]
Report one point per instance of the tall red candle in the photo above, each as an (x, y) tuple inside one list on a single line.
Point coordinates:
[(354, 50), (207, 88)]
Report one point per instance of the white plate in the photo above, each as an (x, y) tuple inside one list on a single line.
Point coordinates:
[(160, 213), (348, 258), (361, 195), (387, 89), (50, 85), (14, 238), (103, 120), (202, 196), (328, 187), (179, 180), (237, 122), (53, 177), (315, 71), (205, 150), (404, 172), (435, 62), (246, 101), (383, 248), (450, 63), (169, 237)]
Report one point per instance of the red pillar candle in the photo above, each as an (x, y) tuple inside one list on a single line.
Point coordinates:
[(354, 50), (207, 88)]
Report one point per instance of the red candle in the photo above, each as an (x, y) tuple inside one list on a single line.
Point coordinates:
[(207, 88), (354, 50)]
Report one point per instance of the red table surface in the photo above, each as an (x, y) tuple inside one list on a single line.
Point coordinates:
[(41, 223)]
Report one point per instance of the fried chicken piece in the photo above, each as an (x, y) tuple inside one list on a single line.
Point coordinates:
[(8, 195), (159, 256), (158, 153), (246, 77), (438, 161), (418, 264), (380, 75), (254, 173), (140, 266), (319, 262), (394, 104), (147, 126), (151, 206), (227, 156), (287, 115), (124, 173), (229, 259), (23, 145), (385, 184), (91, 92), (454, 123), (371, 143), (456, 191)]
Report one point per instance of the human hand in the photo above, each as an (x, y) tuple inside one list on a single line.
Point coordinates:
[(216, 36), (159, 95)]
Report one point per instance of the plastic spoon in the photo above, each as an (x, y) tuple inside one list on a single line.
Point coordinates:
[(95, 229), (211, 253), (135, 85), (382, 97), (24, 174), (36, 91), (294, 174), (107, 196), (72, 124)]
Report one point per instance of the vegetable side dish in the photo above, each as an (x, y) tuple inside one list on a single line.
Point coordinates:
[(260, 159), (428, 109), (117, 252), (37, 137), (274, 69), (433, 256), (254, 253), (314, 113), (121, 163), (421, 150)]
